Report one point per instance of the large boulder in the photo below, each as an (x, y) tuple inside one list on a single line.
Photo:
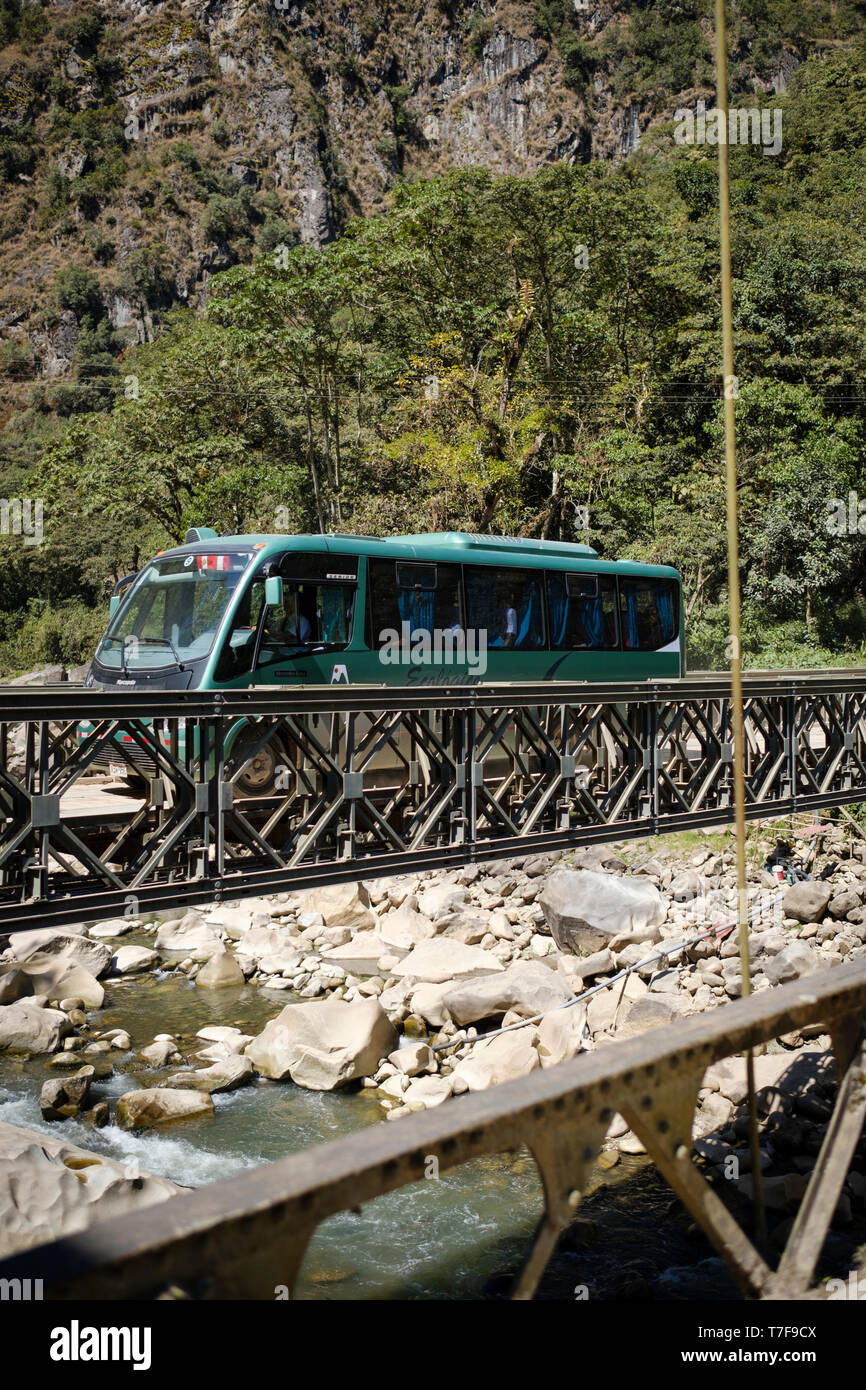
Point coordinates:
[(232, 1039), (191, 935), (653, 1011), (791, 962), (226, 1074), (43, 1194), (323, 1044), (14, 984), (63, 1097), (361, 955), (28, 1027), (437, 901), (260, 942), (404, 928), (807, 901), (160, 1105), (504, 1058), (560, 1035), (61, 977), (131, 960), (93, 956), (342, 905), (426, 1092), (586, 911), (221, 972), (110, 930), (442, 959), (528, 987), (236, 919)]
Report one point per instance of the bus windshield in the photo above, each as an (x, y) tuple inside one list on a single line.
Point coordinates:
[(172, 612)]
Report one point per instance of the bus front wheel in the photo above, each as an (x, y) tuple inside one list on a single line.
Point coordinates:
[(261, 775)]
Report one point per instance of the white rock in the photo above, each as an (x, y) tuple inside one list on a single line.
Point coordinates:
[(505, 1058), (42, 1196), (426, 1092), (434, 962), (221, 972), (560, 1035), (653, 1011), (361, 955), (109, 931), (93, 956), (324, 1044), (434, 902), (160, 1052), (342, 905), (603, 1008), (281, 962), (585, 910), (28, 1027), (414, 1057), (190, 935), (61, 977), (160, 1105), (427, 1001), (226, 1074), (129, 960), (527, 987), (404, 928), (792, 962), (261, 942)]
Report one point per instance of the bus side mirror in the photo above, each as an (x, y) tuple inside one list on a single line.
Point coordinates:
[(274, 591), (113, 605)]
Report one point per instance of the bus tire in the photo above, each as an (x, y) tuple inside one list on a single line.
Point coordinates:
[(259, 777)]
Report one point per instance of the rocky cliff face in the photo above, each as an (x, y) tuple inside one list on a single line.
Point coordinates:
[(158, 143)]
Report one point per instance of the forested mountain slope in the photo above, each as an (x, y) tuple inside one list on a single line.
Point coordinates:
[(442, 265)]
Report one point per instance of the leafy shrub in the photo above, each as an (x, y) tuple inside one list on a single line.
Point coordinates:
[(78, 289)]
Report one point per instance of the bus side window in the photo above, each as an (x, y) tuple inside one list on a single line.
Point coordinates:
[(236, 657), (424, 595), (506, 605), (582, 610), (650, 611)]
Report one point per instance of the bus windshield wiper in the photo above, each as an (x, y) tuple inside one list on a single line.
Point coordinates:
[(163, 642), (123, 666)]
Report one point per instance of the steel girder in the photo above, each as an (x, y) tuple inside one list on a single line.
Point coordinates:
[(393, 780)]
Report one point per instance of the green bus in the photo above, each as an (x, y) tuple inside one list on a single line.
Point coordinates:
[(230, 612)]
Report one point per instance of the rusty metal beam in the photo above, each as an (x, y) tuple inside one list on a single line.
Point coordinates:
[(242, 1237)]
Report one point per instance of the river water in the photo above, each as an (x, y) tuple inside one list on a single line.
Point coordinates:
[(460, 1237)]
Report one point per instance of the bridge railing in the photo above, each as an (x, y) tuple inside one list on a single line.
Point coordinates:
[(245, 1237), (255, 791)]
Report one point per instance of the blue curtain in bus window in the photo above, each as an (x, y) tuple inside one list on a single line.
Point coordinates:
[(416, 607), (632, 638), (593, 621), (558, 612), (665, 604), (333, 626)]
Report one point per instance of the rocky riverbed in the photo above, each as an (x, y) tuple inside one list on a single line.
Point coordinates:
[(387, 988)]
